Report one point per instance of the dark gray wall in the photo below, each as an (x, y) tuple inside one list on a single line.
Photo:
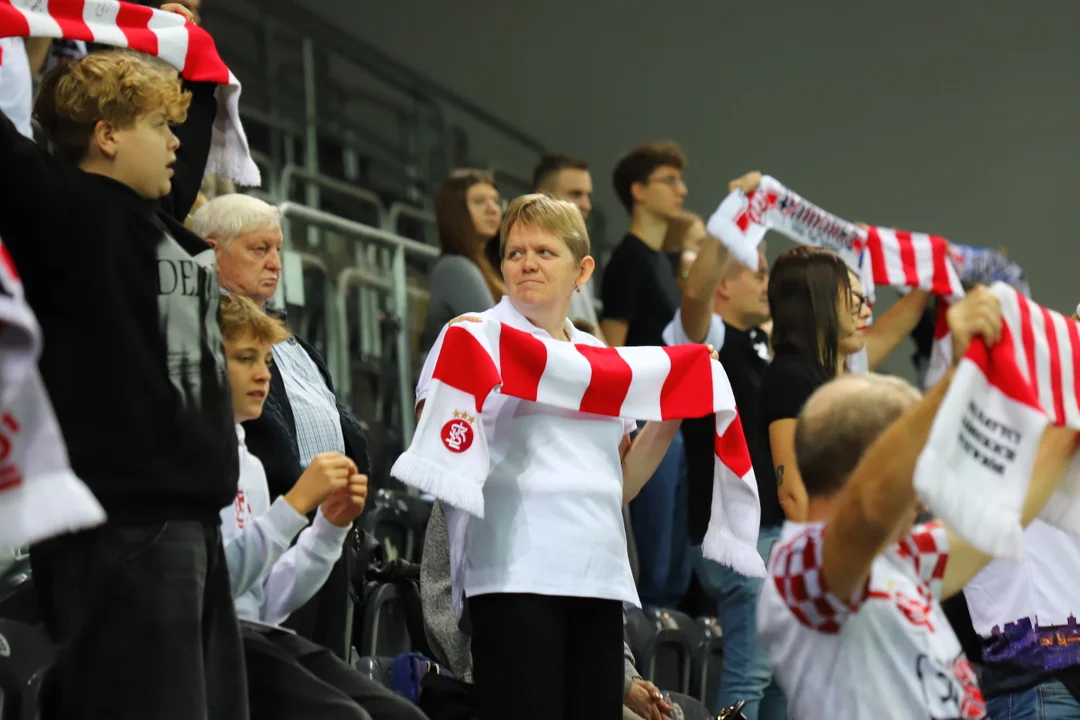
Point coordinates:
[(956, 118)]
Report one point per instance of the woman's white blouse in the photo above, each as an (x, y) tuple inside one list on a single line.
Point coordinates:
[(553, 521)]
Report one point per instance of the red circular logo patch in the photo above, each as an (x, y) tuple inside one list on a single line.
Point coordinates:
[(457, 436)]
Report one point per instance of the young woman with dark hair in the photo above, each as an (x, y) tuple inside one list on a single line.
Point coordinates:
[(819, 318), (468, 212)]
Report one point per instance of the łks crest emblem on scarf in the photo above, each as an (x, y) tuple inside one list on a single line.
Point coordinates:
[(457, 434)]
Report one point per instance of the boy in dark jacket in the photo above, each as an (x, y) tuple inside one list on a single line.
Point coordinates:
[(134, 365)]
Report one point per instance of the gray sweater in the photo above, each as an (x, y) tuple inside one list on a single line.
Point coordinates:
[(457, 287), (450, 645)]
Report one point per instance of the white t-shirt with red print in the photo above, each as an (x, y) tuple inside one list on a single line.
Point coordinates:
[(888, 652)]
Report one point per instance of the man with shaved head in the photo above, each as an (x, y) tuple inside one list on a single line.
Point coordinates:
[(850, 615)]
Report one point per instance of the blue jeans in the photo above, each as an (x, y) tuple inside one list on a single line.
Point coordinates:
[(746, 674), (1046, 701), (658, 518)]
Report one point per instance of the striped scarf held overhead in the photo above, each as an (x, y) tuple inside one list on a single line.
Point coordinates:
[(448, 456), (165, 35), (880, 256), (975, 470), (40, 496)]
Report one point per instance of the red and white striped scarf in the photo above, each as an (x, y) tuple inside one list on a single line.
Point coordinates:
[(975, 470), (166, 35), (39, 494), (448, 456), (880, 256)]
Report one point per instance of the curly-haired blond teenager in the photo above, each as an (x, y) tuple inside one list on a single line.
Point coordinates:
[(134, 364)]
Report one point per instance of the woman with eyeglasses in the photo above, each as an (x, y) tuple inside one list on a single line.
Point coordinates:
[(821, 329)]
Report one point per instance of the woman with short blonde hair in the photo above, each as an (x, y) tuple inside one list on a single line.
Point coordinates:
[(545, 571)]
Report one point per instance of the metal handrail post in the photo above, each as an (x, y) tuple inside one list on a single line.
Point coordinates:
[(404, 355), (400, 247), (397, 210), (293, 172), (311, 131)]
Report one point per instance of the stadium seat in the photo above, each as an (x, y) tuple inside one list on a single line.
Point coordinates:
[(376, 668), (708, 643), (385, 628), (25, 656), (640, 634), (672, 656), (14, 571), (387, 518), (17, 598), (398, 521)]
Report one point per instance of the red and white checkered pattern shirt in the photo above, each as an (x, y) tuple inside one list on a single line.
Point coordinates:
[(888, 651)]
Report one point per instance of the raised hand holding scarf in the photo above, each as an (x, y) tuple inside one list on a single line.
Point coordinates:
[(166, 35)]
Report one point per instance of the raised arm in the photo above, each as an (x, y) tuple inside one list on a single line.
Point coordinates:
[(877, 498), (696, 309), (880, 494), (195, 135)]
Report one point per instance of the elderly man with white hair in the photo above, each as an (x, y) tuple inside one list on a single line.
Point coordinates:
[(302, 416)]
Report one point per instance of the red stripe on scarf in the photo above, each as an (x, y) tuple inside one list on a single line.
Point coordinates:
[(464, 364), (687, 390), (203, 63), (611, 376), (8, 263), (999, 366), (877, 257), (1027, 336), (68, 14), (732, 450), (13, 21), (134, 21), (10, 476), (523, 359), (1055, 366), (907, 258), (939, 249)]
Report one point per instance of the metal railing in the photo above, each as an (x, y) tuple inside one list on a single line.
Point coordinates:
[(291, 173), (337, 329), (399, 210)]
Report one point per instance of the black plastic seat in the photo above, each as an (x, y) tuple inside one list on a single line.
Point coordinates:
[(640, 635), (670, 666), (26, 653), (387, 518), (18, 600), (385, 629), (708, 662)]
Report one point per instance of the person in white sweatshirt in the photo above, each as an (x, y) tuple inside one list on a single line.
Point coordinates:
[(288, 675)]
